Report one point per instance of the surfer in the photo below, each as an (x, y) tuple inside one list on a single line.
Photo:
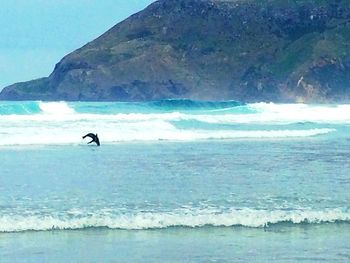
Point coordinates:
[(94, 138)]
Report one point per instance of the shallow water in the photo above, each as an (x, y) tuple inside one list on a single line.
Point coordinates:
[(316, 243)]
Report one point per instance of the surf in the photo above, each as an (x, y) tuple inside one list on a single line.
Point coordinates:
[(244, 217), (56, 123)]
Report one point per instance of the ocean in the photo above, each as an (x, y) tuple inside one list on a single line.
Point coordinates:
[(174, 181)]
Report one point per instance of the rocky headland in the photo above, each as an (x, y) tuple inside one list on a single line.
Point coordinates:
[(244, 50)]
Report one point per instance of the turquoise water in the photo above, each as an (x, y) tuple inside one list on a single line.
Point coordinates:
[(192, 182)]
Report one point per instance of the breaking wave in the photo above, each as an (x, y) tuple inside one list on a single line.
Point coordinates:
[(162, 220), (37, 107), (176, 104), (113, 132), (31, 123), (56, 108)]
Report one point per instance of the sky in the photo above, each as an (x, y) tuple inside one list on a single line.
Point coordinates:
[(36, 34)]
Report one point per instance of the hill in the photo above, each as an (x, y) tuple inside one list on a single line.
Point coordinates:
[(245, 50)]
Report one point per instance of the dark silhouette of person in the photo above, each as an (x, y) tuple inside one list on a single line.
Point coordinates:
[(94, 138)]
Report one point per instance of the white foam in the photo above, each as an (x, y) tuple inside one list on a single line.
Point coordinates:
[(292, 113), (59, 108), (264, 113), (270, 113), (60, 124), (45, 132), (180, 218)]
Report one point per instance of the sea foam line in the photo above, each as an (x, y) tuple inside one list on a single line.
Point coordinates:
[(194, 219), (138, 132)]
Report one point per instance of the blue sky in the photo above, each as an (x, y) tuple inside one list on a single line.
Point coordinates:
[(36, 34)]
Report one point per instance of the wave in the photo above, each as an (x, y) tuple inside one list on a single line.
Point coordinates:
[(183, 218), (60, 123), (176, 104), (224, 112), (12, 108), (61, 108), (297, 113), (182, 105), (34, 107), (70, 133), (37, 107)]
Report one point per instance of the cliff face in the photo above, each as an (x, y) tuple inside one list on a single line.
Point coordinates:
[(246, 50)]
